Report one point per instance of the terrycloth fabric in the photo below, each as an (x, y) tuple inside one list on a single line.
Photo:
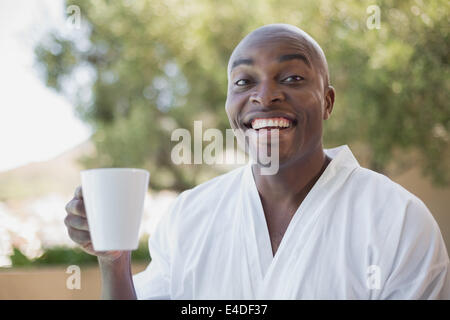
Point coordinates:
[(357, 235)]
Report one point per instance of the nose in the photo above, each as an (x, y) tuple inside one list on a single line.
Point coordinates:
[(266, 95)]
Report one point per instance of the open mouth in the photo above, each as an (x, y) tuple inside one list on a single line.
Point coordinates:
[(280, 123)]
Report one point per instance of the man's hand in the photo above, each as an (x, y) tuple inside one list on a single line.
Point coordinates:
[(78, 228)]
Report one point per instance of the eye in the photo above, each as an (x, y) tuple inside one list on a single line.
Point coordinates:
[(242, 82), (294, 78)]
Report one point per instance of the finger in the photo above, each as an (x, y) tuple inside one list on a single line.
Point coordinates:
[(79, 193), (76, 207), (76, 222), (79, 236)]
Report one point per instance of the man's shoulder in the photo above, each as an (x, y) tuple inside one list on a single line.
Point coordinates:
[(392, 213), (386, 201), (380, 187), (380, 200)]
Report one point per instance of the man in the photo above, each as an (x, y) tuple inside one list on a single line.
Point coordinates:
[(322, 227)]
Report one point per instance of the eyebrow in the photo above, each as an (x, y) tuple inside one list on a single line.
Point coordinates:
[(241, 61), (283, 58), (297, 56)]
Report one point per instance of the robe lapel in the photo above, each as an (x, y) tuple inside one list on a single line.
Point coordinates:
[(270, 274), (254, 232)]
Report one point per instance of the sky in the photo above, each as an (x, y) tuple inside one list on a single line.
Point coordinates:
[(36, 123)]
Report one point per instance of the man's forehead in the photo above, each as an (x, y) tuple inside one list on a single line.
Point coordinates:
[(272, 38), (274, 44), (270, 41), (272, 52)]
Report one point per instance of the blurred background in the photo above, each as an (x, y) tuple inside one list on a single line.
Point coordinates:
[(101, 83)]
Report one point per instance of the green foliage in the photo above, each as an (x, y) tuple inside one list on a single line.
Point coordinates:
[(68, 256), (19, 259), (160, 65)]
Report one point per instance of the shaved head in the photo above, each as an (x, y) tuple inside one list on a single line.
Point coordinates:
[(274, 33)]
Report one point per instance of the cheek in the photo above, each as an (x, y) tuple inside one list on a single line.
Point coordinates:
[(234, 105), (313, 102), (232, 109)]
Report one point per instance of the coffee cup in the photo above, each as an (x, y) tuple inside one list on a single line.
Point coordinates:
[(114, 200)]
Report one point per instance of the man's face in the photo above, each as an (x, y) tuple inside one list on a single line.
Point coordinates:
[(279, 80)]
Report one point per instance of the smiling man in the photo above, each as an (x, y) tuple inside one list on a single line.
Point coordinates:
[(279, 74), (322, 227)]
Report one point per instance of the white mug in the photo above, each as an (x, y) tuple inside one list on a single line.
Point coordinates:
[(114, 202)]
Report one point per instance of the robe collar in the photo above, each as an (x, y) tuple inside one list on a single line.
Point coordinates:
[(255, 233)]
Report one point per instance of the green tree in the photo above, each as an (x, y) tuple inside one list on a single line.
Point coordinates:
[(159, 65)]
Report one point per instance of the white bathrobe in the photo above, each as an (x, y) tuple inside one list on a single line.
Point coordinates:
[(357, 235)]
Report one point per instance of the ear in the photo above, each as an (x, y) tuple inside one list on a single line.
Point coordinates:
[(329, 101)]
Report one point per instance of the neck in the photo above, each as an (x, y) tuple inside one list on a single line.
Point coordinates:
[(293, 181)]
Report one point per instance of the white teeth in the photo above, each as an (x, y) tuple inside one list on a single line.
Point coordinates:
[(273, 122)]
